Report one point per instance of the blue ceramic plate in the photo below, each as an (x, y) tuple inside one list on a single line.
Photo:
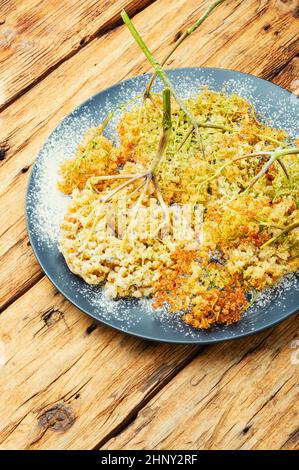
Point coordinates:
[(45, 208)]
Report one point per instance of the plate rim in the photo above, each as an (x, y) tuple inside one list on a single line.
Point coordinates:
[(73, 301)]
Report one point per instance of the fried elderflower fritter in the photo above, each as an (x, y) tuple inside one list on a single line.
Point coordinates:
[(249, 238)]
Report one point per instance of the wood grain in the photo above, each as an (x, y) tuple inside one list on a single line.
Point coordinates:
[(289, 77), (226, 398), (55, 360), (65, 381), (102, 62), (36, 36)]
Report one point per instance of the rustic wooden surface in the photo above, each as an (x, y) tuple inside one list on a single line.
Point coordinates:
[(66, 382)]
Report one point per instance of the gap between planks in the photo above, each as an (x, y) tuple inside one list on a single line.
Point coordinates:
[(132, 415), (242, 420), (38, 277)]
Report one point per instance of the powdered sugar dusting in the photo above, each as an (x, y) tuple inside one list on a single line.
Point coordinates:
[(46, 205), (126, 314)]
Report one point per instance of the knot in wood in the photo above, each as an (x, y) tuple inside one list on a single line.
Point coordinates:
[(52, 316), (58, 418)]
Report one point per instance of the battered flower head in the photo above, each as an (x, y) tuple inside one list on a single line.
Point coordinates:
[(209, 272)]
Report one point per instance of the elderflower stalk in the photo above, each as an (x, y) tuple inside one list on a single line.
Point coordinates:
[(166, 130), (274, 156), (226, 164), (284, 231), (206, 125), (182, 38), (148, 176), (106, 121), (159, 71)]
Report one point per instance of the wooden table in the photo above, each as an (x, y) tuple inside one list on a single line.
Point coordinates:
[(67, 382)]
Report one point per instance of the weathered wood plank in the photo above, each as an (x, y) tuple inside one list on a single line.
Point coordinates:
[(65, 378), (97, 382), (252, 45), (55, 361), (100, 378), (35, 36), (115, 56), (226, 398), (289, 76), (15, 253), (26, 124)]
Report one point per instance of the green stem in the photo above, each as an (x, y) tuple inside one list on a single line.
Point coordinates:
[(167, 126), (284, 152), (283, 167), (270, 139), (106, 121), (284, 232), (209, 125), (166, 110), (157, 67), (274, 156), (205, 125), (186, 33), (226, 164), (275, 141)]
